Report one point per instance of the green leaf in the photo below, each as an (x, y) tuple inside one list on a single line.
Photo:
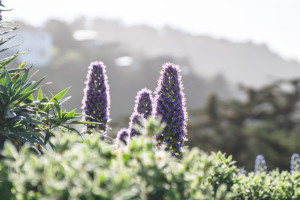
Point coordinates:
[(8, 83), (12, 46), (58, 97), (70, 114), (22, 65), (4, 40), (6, 61), (33, 85), (31, 98), (72, 129), (82, 122), (64, 100), (40, 94), (22, 97)]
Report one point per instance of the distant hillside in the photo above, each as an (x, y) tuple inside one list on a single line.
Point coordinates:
[(209, 65), (247, 63)]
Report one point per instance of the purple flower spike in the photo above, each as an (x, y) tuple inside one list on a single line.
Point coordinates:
[(96, 99), (122, 136), (135, 119), (170, 106), (295, 163), (143, 103), (260, 165)]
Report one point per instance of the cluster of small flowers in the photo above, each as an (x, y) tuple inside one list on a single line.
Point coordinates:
[(260, 165), (122, 137), (96, 101), (143, 103), (295, 163), (135, 120), (170, 106), (143, 109)]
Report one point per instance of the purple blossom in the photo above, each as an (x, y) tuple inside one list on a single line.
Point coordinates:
[(242, 171), (122, 136), (143, 103), (295, 163), (260, 165), (135, 119), (96, 99), (170, 105)]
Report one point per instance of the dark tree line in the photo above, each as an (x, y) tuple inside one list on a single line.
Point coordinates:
[(265, 121)]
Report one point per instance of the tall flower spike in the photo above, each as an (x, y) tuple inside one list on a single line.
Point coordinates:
[(96, 99), (260, 165), (135, 119), (123, 136), (170, 106), (295, 163), (143, 103)]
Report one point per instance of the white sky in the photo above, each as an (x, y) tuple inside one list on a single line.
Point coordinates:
[(273, 22)]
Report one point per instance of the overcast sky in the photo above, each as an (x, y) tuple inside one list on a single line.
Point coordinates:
[(273, 22)]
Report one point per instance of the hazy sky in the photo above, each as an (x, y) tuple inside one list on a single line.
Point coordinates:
[(273, 22)]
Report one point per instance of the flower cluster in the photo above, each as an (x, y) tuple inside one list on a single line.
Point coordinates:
[(295, 163), (122, 136), (142, 110), (170, 106), (135, 120), (143, 103), (260, 165), (96, 100)]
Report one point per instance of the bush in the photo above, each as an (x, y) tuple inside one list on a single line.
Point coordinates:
[(94, 170), (24, 118), (265, 122)]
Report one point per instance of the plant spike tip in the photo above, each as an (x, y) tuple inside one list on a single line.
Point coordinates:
[(96, 100), (135, 120), (260, 165), (170, 106), (144, 103), (295, 163), (123, 137)]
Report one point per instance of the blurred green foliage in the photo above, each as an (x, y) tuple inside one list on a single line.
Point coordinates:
[(91, 169), (265, 121)]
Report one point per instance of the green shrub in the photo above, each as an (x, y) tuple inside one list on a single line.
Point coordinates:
[(94, 170), (24, 118), (91, 169)]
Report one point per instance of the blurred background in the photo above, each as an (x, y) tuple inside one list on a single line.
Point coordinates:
[(240, 63)]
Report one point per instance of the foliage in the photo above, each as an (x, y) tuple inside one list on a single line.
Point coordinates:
[(24, 118), (136, 171), (274, 185), (91, 169), (265, 122)]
